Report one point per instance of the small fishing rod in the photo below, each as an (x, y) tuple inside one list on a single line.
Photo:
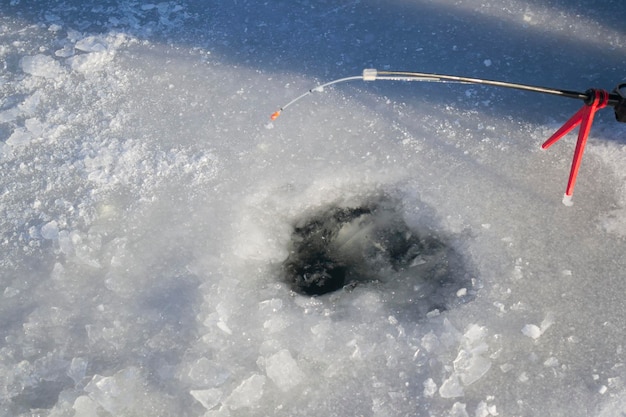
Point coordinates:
[(594, 99)]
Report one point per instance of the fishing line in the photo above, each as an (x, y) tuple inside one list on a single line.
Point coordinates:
[(319, 88)]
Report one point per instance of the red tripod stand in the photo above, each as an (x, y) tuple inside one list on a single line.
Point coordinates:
[(598, 99)]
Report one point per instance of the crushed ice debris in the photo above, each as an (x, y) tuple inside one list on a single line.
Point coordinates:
[(551, 362), (470, 364), (209, 398), (534, 332), (41, 66), (458, 410), (91, 44), (224, 327), (485, 410), (118, 393), (78, 369), (451, 387), (430, 388), (91, 62), (283, 370), (50, 230), (247, 394), (19, 137)]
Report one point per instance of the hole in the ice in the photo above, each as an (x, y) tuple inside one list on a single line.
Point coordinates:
[(339, 248)]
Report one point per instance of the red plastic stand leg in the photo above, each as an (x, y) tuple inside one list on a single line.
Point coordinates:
[(583, 117)]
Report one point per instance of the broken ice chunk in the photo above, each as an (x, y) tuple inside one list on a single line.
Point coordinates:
[(78, 369), (224, 327), (247, 394), (451, 387), (118, 392), (50, 230), (206, 373), (471, 366), (430, 388), (91, 44), (41, 66), (283, 370), (85, 406), (458, 410), (209, 398), (532, 331), (19, 137)]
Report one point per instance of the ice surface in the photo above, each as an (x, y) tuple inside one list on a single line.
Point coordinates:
[(147, 204)]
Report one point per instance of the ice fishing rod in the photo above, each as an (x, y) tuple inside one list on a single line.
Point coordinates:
[(594, 99)]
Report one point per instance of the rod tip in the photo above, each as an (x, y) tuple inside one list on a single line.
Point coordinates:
[(275, 115)]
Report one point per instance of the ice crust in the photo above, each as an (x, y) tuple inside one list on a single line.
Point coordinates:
[(147, 204)]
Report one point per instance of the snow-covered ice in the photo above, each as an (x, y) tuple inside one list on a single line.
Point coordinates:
[(147, 204)]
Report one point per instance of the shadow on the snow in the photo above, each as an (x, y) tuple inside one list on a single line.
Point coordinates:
[(326, 41)]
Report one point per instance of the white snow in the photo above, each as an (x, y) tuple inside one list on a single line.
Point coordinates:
[(147, 203)]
